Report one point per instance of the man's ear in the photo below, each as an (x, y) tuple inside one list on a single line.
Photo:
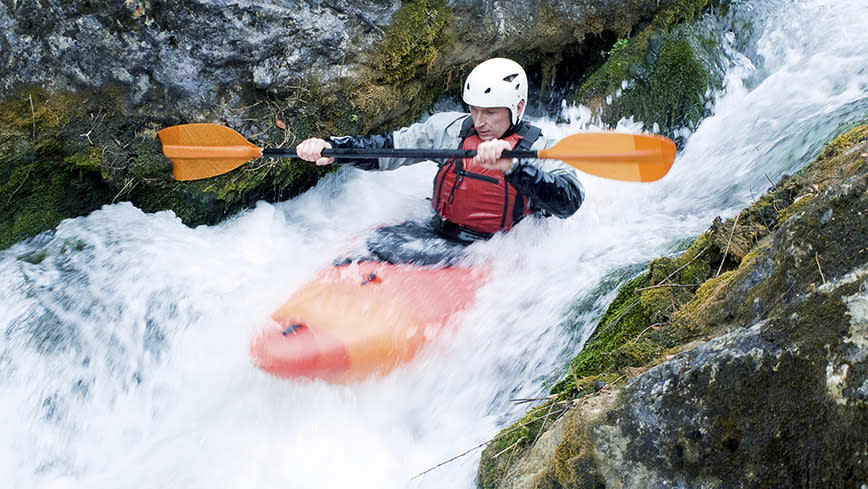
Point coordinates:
[(520, 109)]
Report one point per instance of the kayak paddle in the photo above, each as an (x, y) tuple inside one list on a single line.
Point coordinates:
[(206, 150)]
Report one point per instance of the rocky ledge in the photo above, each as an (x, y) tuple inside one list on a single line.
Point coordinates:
[(86, 85), (742, 362)]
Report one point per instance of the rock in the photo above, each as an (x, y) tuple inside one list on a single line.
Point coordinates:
[(186, 57), (776, 396), (182, 56)]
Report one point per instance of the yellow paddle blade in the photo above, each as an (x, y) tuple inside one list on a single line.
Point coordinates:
[(204, 150), (619, 156)]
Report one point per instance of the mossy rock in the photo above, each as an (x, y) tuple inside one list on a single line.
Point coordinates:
[(47, 173), (511, 442), (69, 154), (797, 289), (660, 76), (400, 81), (419, 30)]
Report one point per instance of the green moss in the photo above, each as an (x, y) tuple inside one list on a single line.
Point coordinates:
[(44, 187), (672, 280), (149, 164), (657, 303), (700, 315), (791, 210), (419, 30), (400, 82), (510, 442), (765, 211), (574, 459), (90, 161), (69, 154), (667, 79), (634, 330), (623, 321), (844, 141), (62, 155), (671, 94), (695, 262), (635, 353), (779, 279)]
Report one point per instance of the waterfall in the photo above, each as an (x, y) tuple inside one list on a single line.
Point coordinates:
[(123, 360)]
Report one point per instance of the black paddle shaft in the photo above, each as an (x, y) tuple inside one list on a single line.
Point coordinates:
[(420, 154)]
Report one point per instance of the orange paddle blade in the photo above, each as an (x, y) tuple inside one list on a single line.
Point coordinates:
[(619, 156), (205, 150)]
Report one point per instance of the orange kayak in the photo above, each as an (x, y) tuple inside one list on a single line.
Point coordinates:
[(362, 319)]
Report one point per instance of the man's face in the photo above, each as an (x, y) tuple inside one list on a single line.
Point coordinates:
[(490, 122)]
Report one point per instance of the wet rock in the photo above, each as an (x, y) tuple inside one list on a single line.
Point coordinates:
[(776, 394), (183, 55)]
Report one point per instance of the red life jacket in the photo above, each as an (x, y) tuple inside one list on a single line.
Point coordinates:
[(477, 198)]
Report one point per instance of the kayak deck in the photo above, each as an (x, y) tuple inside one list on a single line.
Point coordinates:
[(361, 319)]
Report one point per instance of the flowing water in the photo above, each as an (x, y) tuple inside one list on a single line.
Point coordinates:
[(123, 359)]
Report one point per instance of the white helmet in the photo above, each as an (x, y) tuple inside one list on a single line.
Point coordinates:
[(497, 82)]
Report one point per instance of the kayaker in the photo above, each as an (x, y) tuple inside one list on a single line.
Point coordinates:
[(473, 198)]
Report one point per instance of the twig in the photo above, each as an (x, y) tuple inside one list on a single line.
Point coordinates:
[(498, 454), (543, 425), (731, 232), (817, 259), (96, 121), (514, 428), (683, 266), (500, 435), (575, 377), (420, 474), (533, 399), (659, 286), (509, 460), (774, 187), (23, 180), (616, 321), (33, 115), (646, 329), (130, 182)]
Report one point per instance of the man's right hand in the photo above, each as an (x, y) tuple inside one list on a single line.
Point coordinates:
[(311, 150)]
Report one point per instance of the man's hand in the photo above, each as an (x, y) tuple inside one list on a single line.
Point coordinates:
[(488, 155), (311, 150)]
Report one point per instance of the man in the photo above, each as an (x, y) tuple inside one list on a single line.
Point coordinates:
[(473, 198)]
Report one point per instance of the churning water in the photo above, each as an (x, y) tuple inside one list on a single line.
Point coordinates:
[(123, 359)]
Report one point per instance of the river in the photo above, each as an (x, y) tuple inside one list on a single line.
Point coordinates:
[(123, 359)]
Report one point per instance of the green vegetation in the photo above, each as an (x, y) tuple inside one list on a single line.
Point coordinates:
[(64, 155), (47, 175), (666, 80), (67, 154), (400, 84), (419, 30)]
